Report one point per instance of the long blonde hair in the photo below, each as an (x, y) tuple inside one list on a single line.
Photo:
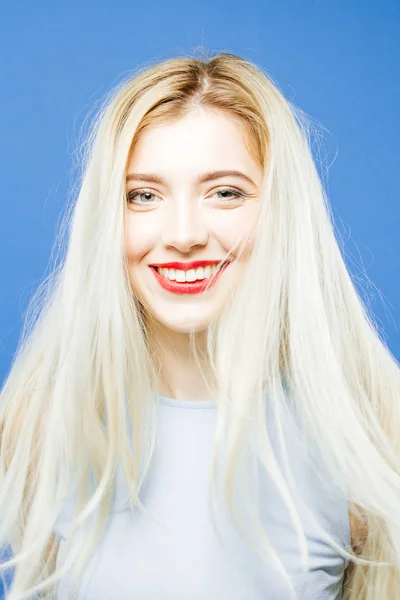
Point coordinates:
[(295, 326)]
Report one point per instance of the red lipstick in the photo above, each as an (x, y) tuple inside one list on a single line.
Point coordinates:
[(187, 287), (185, 266)]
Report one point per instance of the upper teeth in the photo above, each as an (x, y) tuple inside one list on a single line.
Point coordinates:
[(190, 274)]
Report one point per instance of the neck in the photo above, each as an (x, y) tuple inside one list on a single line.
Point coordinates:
[(180, 376)]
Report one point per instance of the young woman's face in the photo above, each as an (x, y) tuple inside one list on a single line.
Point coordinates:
[(178, 213)]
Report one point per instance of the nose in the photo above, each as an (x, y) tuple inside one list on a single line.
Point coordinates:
[(184, 227)]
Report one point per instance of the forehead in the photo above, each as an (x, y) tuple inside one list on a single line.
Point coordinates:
[(201, 141)]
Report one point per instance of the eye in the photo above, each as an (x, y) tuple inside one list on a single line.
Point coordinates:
[(136, 197), (234, 193)]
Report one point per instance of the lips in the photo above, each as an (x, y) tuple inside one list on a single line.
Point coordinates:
[(188, 287), (185, 266)]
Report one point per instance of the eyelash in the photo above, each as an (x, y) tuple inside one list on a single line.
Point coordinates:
[(132, 195)]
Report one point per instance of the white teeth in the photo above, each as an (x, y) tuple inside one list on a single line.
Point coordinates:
[(180, 276), (200, 273), (214, 269), (190, 275)]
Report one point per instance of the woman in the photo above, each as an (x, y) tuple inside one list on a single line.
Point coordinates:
[(203, 314)]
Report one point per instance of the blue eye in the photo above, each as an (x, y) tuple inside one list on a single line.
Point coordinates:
[(132, 195), (235, 193)]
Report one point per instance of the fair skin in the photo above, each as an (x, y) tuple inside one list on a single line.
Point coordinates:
[(182, 219)]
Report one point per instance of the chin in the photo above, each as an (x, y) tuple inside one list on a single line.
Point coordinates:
[(185, 323)]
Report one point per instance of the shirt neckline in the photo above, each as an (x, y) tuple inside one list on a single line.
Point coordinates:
[(187, 404)]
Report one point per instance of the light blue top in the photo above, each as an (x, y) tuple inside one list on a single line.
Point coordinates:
[(176, 555)]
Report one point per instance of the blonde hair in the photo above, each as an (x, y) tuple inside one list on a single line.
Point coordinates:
[(83, 372)]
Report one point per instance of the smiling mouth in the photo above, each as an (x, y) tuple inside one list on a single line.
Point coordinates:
[(190, 275), (190, 281)]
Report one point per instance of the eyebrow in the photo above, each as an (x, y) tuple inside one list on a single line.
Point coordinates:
[(209, 176)]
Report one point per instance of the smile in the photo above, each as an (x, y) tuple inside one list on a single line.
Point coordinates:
[(188, 281)]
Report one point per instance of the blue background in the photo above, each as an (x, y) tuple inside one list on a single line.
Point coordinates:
[(338, 61)]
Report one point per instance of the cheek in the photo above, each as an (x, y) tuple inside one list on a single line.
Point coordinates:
[(139, 239), (135, 249), (232, 228)]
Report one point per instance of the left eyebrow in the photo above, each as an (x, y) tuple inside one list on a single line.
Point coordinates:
[(209, 176)]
